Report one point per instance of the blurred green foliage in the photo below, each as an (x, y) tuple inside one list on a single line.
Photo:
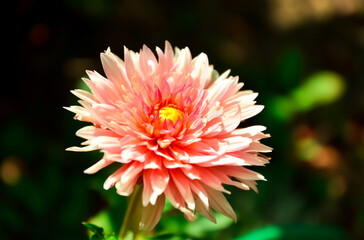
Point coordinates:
[(294, 231), (321, 88), (306, 60)]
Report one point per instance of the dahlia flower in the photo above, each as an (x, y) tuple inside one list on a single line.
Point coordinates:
[(171, 123)]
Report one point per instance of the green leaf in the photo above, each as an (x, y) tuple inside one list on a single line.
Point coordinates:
[(98, 231), (102, 219)]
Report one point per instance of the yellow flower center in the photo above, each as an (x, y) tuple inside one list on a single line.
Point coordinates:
[(170, 113)]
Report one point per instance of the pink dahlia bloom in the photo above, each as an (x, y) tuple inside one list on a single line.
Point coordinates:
[(171, 123)]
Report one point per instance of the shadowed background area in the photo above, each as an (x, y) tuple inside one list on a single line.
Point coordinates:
[(304, 57)]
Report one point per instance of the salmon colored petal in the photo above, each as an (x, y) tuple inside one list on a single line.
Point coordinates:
[(114, 69), (182, 184), (97, 166), (159, 180), (208, 213), (219, 203)]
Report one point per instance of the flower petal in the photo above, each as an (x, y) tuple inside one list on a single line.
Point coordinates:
[(152, 214), (97, 166), (182, 184), (159, 180), (219, 203)]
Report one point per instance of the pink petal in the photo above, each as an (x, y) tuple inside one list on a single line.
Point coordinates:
[(196, 157), (159, 181), (219, 203), (125, 189), (175, 164), (135, 152), (147, 187), (241, 173), (250, 158), (174, 196), (164, 142), (248, 131), (178, 153), (258, 147), (208, 213), (111, 180), (224, 160), (81, 113), (101, 87), (201, 194), (210, 179), (182, 184), (243, 98), (85, 96), (237, 143), (231, 119), (213, 128), (166, 59), (126, 175), (97, 166), (250, 111), (200, 72), (147, 62), (114, 69), (152, 161), (192, 173)]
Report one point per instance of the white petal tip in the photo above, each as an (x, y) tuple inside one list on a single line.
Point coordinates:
[(191, 206), (153, 198), (88, 171), (108, 50), (261, 177)]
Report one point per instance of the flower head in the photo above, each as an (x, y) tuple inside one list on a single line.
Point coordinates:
[(171, 123)]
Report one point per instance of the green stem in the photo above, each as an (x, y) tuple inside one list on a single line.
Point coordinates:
[(133, 214)]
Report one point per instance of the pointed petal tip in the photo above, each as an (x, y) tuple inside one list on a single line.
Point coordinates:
[(167, 44), (98, 166), (88, 171), (153, 198), (126, 50), (106, 186), (261, 177), (191, 205)]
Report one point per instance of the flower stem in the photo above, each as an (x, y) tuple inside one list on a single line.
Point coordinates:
[(133, 214)]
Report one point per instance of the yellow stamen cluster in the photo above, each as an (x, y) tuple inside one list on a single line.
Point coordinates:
[(170, 113)]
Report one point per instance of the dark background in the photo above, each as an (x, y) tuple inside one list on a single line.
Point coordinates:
[(304, 57)]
